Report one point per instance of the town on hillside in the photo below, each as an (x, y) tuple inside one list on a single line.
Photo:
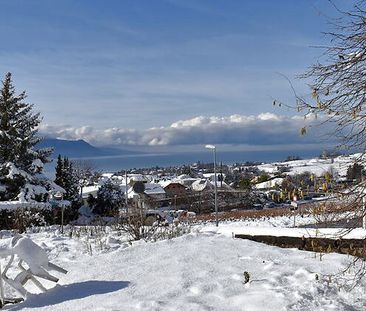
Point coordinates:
[(183, 155), (250, 186)]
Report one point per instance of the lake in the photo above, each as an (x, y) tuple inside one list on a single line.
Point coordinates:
[(117, 163)]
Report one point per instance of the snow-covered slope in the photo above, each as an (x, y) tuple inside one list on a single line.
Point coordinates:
[(202, 270)]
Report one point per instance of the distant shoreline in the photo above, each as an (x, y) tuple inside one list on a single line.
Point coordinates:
[(116, 163)]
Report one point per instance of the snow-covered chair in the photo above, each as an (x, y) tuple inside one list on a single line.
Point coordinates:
[(36, 259)]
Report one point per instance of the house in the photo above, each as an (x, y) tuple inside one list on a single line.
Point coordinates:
[(133, 178), (151, 196), (173, 188), (185, 180), (154, 191)]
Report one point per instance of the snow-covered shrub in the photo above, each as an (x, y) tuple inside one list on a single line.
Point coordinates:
[(92, 237), (21, 218), (170, 231), (24, 219), (136, 227)]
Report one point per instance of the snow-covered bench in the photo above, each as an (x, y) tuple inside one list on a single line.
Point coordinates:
[(36, 259)]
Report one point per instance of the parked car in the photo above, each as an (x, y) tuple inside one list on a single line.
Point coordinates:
[(270, 205), (258, 206)]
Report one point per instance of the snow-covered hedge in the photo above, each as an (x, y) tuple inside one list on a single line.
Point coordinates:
[(20, 215), (13, 205)]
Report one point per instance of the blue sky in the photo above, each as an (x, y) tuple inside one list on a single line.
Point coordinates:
[(93, 68)]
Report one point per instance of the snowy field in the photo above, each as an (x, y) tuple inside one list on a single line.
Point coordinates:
[(316, 166), (201, 270)]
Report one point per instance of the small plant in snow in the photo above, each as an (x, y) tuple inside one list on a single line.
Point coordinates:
[(246, 276), (170, 232)]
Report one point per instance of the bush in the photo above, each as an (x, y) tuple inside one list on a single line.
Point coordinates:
[(21, 218), (355, 172), (139, 227)]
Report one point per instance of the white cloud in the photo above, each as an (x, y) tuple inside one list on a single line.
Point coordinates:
[(262, 129)]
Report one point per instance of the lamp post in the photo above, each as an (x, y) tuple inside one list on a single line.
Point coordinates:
[(1, 289), (213, 148), (363, 201), (126, 193)]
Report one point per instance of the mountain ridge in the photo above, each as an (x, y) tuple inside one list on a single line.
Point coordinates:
[(79, 148)]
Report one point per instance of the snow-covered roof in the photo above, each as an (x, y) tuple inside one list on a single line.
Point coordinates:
[(268, 168), (187, 182), (137, 177), (202, 184), (212, 175), (166, 183), (270, 183), (184, 176), (220, 184), (151, 189), (107, 175), (90, 190)]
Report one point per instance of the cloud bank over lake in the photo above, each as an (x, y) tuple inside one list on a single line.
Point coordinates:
[(262, 129)]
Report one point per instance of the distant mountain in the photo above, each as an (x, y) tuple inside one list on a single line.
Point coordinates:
[(78, 148)]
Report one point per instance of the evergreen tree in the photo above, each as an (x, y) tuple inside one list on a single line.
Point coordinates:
[(110, 198), (59, 180), (21, 164), (71, 183), (67, 179)]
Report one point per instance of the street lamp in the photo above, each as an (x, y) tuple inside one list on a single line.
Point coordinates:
[(126, 193), (213, 148)]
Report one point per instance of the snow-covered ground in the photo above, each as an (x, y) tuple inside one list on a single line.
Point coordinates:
[(201, 270)]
